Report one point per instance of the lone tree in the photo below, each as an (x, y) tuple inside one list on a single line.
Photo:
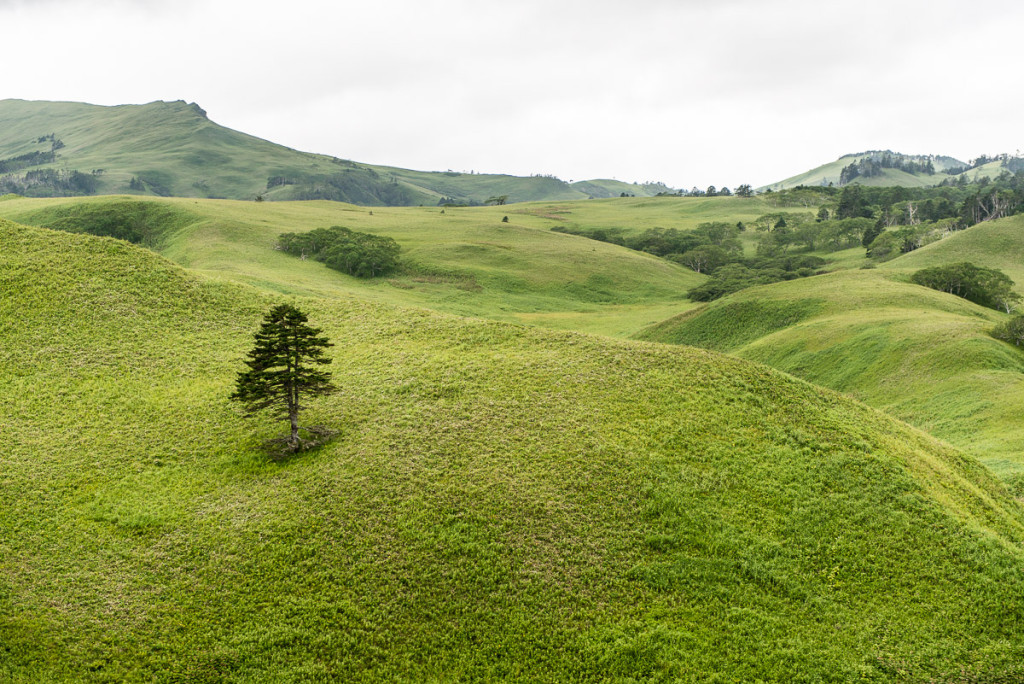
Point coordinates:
[(284, 367)]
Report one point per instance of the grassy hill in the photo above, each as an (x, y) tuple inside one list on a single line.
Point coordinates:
[(993, 244), (464, 260), (923, 356), (504, 503), (830, 173), (173, 149)]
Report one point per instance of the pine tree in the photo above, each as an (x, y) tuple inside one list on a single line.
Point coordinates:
[(284, 367)]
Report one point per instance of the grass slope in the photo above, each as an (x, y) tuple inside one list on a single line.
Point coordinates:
[(503, 503), (993, 244), (176, 151), (830, 173), (923, 356), (465, 260)]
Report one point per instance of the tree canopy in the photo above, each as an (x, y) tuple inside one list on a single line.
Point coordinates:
[(985, 286), (363, 255), (284, 368)]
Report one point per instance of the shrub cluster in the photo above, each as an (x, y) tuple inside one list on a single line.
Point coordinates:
[(740, 275), (985, 286), (359, 254)]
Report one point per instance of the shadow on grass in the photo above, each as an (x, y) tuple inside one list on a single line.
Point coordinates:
[(282, 449)]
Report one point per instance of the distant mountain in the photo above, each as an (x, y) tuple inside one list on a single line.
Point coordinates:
[(173, 149)]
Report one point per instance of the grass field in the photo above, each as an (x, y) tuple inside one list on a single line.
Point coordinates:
[(923, 356), (464, 260), (993, 244), (503, 503)]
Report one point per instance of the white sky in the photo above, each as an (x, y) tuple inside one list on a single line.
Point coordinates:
[(686, 92)]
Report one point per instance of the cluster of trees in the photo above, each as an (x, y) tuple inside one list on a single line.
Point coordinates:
[(743, 273), (1011, 331), (744, 190), (985, 286), (49, 183), (24, 161), (904, 219), (664, 241), (359, 254), (714, 249), (874, 165)]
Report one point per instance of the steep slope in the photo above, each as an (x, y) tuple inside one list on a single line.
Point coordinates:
[(921, 355), (502, 504)]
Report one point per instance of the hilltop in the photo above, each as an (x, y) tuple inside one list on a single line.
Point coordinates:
[(173, 149), (504, 503), (917, 171)]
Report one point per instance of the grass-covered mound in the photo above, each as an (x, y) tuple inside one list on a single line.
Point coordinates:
[(924, 356), (993, 244), (503, 503), (464, 261)]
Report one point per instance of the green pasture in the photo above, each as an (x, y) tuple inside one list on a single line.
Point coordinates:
[(920, 355), (503, 503), (459, 260), (992, 244)]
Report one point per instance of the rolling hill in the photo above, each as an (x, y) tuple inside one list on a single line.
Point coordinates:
[(465, 261), (503, 503), (830, 173), (920, 355), (173, 149)]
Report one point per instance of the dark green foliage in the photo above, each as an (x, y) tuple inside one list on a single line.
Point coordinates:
[(874, 164), (985, 286), (359, 254), (1011, 331), (738, 276), (283, 368), (25, 161), (703, 259), (853, 203)]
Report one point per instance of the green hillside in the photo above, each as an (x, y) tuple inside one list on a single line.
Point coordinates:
[(503, 503), (993, 244), (465, 260), (173, 149), (830, 174), (920, 355)]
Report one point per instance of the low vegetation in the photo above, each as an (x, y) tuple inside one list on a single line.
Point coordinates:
[(503, 503), (359, 254)]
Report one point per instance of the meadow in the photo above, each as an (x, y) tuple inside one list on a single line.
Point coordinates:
[(503, 502)]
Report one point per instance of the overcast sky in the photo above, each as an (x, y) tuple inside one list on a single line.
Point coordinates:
[(685, 92)]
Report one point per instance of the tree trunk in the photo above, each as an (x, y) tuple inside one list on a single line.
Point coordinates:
[(293, 416)]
